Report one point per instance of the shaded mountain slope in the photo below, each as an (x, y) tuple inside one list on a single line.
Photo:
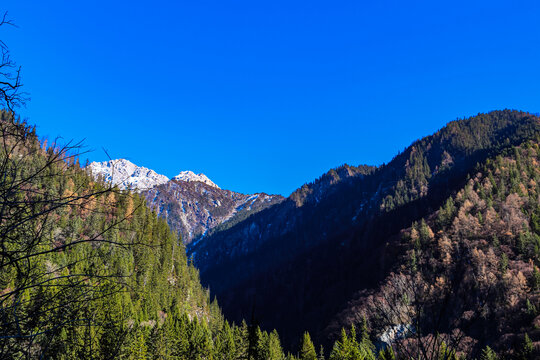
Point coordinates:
[(298, 263)]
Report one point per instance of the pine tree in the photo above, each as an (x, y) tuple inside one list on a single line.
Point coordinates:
[(527, 349), (200, 340), (321, 353), (488, 354), (261, 345), (367, 349), (138, 349), (225, 347), (275, 352), (535, 278), (386, 354), (307, 350), (241, 335)]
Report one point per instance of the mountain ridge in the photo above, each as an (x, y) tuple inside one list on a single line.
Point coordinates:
[(125, 174)]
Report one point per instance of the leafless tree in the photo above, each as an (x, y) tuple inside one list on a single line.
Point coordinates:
[(30, 310), (38, 297), (427, 314), (11, 95)]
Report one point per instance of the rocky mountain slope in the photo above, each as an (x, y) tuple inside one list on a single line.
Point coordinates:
[(194, 209), (303, 260)]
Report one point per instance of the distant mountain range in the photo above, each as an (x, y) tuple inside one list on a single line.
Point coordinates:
[(192, 204)]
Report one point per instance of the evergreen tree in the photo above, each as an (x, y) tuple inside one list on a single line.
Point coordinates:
[(275, 352), (488, 354), (138, 349), (225, 347), (307, 349), (321, 353), (527, 350), (241, 336)]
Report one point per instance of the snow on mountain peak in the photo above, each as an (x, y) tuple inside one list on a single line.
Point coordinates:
[(126, 175), (191, 176)]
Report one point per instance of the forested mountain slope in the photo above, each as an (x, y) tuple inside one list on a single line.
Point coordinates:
[(88, 271), (272, 222), (298, 264), (467, 272)]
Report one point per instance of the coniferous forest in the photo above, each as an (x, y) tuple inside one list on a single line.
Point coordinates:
[(434, 255)]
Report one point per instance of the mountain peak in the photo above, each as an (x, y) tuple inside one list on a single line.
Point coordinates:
[(191, 176), (125, 174)]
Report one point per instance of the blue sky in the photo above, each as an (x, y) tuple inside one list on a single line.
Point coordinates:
[(268, 95)]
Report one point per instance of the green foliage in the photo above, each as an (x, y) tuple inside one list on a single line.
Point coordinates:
[(446, 213), (527, 351), (138, 350), (504, 263), (275, 352), (386, 354), (535, 278), (349, 348), (307, 349), (488, 354)]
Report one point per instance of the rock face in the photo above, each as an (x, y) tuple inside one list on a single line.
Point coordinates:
[(126, 175), (194, 208)]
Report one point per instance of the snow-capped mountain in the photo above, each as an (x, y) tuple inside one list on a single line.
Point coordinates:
[(189, 176), (126, 175), (192, 204)]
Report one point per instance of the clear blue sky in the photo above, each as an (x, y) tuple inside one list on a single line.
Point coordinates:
[(268, 95)]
